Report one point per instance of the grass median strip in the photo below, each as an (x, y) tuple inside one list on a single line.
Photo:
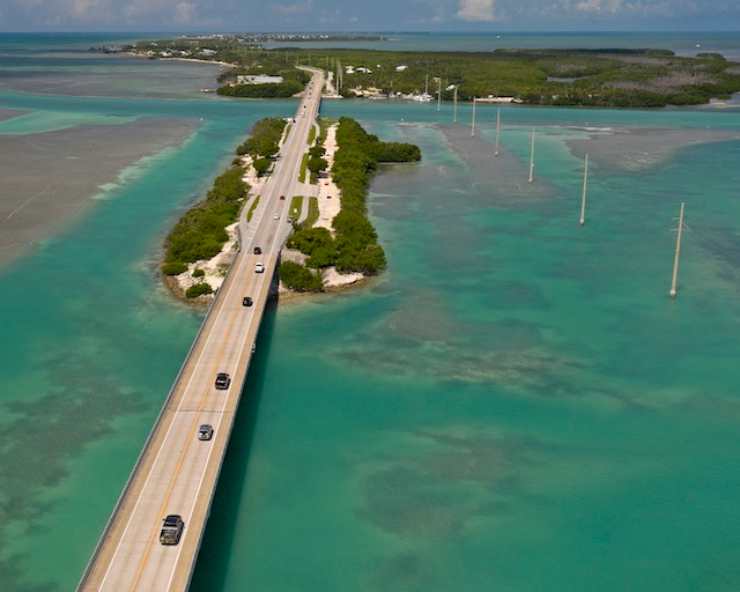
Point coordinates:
[(252, 208), (313, 213), (296, 206), (304, 165)]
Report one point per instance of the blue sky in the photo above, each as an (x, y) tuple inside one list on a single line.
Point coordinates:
[(406, 15)]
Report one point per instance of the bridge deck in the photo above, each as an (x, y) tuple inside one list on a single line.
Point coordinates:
[(177, 473)]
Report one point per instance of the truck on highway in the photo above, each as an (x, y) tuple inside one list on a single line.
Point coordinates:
[(172, 527)]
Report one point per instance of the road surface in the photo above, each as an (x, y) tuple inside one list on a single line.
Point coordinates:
[(177, 473)]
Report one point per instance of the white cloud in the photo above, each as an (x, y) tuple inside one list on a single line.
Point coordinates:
[(477, 10), (104, 12), (185, 13), (599, 6)]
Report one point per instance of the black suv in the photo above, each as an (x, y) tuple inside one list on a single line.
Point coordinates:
[(247, 301), (172, 528), (257, 251), (223, 380)]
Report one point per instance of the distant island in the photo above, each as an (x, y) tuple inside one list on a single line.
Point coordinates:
[(563, 77)]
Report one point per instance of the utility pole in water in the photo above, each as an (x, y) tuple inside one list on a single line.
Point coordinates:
[(472, 126), (677, 255), (498, 131), (454, 108), (439, 94), (582, 219), (531, 158)]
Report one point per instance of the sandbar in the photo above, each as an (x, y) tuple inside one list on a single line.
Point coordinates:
[(9, 113), (49, 178), (634, 149)]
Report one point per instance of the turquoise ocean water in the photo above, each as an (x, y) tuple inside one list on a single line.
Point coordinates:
[(682, 42), (516, 404)]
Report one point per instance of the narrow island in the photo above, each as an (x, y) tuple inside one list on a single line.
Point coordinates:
[(635, 78), (333, 244)]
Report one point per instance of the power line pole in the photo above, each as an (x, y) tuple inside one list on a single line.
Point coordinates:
[(472, 125), (582, 219), (498, 131), (677, 255), (439, 94), (454, 109), (531, 158)]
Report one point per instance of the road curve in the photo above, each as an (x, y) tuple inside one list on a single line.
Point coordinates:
[(177, 473)]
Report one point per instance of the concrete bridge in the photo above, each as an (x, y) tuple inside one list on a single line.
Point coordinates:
[(176, 472)]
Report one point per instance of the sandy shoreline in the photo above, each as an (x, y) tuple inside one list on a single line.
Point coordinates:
[(180, 59)]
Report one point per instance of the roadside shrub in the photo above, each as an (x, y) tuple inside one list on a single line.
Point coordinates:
[(298, 278), (317, 164), (174, 267), (198, 290), (264, 138), (200, 233), (322, 256), (307, 240), (261, 166), (282, 90), (198, 273)]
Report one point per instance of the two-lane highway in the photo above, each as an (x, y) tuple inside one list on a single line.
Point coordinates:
[(176, 472)]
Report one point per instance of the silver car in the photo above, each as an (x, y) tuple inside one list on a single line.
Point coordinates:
[(205, 432)]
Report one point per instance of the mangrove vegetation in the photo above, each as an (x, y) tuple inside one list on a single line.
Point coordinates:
[(354, 246)]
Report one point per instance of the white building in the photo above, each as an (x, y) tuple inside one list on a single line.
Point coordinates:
[(259, 79)]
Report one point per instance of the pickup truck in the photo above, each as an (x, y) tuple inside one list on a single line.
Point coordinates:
[(172, 528)]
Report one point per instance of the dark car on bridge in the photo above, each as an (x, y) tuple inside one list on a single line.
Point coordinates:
[(257, 251), (172, 528), (247, 301), (223, 380), (205, 432)]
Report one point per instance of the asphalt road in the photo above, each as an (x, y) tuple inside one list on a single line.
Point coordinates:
[(177, 473)]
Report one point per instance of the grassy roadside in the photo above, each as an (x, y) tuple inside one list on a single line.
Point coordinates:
[(296, 207), (252, 208), (304, 166), (313, 213)]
